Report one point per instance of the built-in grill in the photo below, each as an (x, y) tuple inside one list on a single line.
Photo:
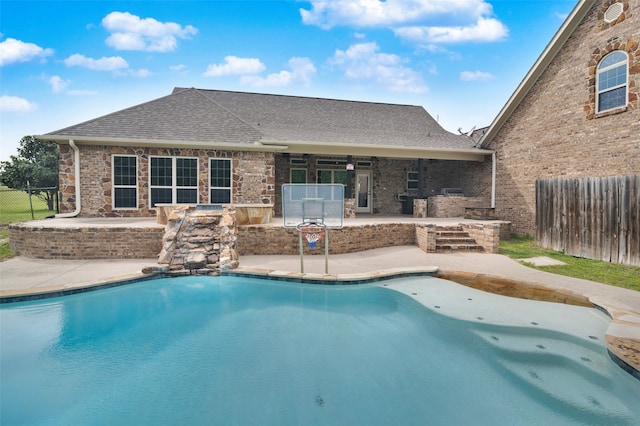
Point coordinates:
[(452, 192)]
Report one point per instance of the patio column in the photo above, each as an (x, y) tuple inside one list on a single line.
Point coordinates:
[(420, 177), (348, 190)]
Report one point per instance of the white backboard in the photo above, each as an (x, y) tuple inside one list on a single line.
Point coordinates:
[(313, 202)]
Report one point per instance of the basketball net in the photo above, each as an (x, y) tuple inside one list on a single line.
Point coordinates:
[(312, 232)]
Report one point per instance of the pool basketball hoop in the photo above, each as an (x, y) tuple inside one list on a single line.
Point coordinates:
[(313, 209)]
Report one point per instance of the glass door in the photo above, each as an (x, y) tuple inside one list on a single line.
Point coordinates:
[(363, 192)]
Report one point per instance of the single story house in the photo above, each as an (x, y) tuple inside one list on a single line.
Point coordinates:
[(214, 146)]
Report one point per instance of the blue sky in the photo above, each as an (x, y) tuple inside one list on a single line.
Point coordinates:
[(65, 62)]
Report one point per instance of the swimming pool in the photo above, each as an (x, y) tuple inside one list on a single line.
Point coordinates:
[(238, 350)]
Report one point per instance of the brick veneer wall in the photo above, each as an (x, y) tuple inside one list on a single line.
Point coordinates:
[(253, 177), (43, 242), (441, 206), (554, 132), (121, 242), (270, 240)]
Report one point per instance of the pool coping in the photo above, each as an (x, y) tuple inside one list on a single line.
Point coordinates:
[(622, 336)]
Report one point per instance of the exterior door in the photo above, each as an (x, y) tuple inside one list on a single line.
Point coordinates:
[(363, 191)]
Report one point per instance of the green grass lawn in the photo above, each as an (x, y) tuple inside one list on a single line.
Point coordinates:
[(14, 207), (577, 267), (5, 251)]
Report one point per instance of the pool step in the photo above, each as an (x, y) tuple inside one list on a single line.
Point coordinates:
[(453, 239)]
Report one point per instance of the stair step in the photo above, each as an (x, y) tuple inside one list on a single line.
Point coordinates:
[(448, 248), (456, 240)]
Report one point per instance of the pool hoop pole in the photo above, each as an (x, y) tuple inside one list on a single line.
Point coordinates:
[(324, 234)]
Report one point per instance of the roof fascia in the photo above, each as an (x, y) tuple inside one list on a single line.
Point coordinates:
[(365, 150), (541, 64), (288, 147)]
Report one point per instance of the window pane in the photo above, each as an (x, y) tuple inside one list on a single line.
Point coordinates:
[(220, 173), (340, 176), (124, 170), (298, 176), (613, 77), (612, 99), (187, 196), (161, 195), (612, 59), (186, 172), (324, 176), (124, 198), (220, 196), (161, 171)]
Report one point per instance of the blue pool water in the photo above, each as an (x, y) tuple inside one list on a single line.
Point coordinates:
[(244, 351)]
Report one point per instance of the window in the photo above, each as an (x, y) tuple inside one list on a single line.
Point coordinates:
[(412, 180), (125, 182), (332, 176), (174, 180), (611, 81), (219, 180)]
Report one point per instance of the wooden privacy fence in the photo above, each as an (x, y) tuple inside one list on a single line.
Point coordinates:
[(596, 218)]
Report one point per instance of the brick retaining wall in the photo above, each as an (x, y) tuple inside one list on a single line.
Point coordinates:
[(46, 242), (94, 242)]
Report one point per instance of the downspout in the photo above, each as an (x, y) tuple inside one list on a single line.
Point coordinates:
[(493, 180), (76, 165)]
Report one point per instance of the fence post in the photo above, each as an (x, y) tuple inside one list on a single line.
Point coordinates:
[(30, 202)]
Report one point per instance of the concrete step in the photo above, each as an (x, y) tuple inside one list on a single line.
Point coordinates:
[(459, 248)]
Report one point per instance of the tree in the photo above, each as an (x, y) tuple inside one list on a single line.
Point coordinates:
[(36, 163)]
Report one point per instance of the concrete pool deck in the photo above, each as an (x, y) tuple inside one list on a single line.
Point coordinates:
[(27, 276)]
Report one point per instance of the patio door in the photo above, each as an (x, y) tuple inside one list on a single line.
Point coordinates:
[(363, 191)]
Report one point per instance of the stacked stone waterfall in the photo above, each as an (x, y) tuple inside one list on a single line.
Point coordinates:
[(199, 241)]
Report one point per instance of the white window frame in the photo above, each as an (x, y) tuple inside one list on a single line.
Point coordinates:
[(600, 71), (115, 187), (174, 186), (229, 188)]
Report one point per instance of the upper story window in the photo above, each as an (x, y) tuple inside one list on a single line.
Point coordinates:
[(173, 180), (611, 81), (125, 181)]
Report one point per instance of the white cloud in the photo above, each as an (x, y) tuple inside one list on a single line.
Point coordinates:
[(484, 30), (475, 76), (435, 21), (58, 85), (363, 62), (111, 63), (178, 68), (16, 104), (14, 51), (302, 71), (141, 73), (130, 32), (234, 65)]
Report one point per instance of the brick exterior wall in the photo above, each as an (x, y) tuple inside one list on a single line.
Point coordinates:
[(253, 180), (555, 132)]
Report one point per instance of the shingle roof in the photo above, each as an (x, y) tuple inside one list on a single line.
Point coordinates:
[(228, 117)]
